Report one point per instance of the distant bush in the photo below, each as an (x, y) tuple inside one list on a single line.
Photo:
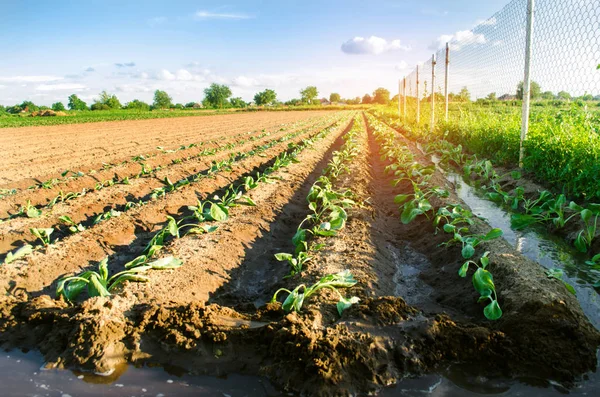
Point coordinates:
[(136, 104), (58, 107), (14, 109), (99, 106)]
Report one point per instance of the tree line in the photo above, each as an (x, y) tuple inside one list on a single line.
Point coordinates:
[(216, 96)]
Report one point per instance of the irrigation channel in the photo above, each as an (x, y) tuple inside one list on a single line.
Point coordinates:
[(398, 321)]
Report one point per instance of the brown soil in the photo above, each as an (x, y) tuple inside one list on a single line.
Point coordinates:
[(36, 154), (211, 317)]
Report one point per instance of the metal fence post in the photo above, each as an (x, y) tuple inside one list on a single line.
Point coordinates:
[(446, 82), (432, 94), (418, 99), (527, 80), (404, 98), (399, 90)]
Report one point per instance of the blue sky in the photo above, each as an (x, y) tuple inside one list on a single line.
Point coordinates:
[(53, 49)]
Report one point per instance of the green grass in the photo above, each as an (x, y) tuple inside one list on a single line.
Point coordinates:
[(75, 117), (562, 148)]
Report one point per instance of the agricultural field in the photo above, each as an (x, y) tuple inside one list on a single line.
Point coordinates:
[(332, 252)]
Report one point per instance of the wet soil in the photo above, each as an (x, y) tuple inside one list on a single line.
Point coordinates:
[(415, 315)]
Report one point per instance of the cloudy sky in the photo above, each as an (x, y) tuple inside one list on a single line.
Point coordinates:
[(53, 49)]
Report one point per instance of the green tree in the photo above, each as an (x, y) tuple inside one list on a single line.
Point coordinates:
[(381, 96), (464, 95), (29, 106), (367, 99), (106, 101), (76, 104), (238, 102), (14, 109), (535, 90), (267, 97), (491, 96), (309, 94), (162, 100), (190, 104), (547, 95), (564, 95), (2, 109), (136, 104), (293, 102), (58, 107), (587, 97), (335, 97), (216, 95)]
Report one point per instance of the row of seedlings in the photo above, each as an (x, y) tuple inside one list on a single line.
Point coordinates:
[(452, 218)]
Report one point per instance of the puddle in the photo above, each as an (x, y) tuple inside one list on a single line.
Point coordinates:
[(409, 264), (24, 375), (548, 250)]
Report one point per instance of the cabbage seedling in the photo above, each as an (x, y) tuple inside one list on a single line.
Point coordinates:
[(42, 234), (483, 282), (21, 252), (296, 297), (73, 227)]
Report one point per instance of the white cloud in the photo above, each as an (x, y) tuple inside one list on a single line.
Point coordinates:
[(29, 79), (401, 66), (458, 40), (373, 45), (60, 87), (214, 15), (125, 65), (180, 75), (90, 69), (2, 86)]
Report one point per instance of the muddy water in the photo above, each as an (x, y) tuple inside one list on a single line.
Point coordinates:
[(22, 374), (548, 250)]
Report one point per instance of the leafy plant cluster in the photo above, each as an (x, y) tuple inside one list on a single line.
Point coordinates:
[(453, 219), (327, 216), (546, 208), (203, 215), (216, 167)]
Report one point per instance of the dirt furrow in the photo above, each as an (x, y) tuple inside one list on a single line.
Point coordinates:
[(41, 196), (121, 238), (85, 208), (87, 146)]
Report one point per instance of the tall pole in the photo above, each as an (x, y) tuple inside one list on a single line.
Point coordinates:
[(404, 98), (446, 82), (399, 92), (432, 93), (526, 80), (418, 99)]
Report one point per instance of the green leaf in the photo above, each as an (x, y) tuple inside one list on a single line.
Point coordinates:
[(586, 215), (33, 212), (218, 212), (410, 213), (516, 175), (172, 227), (103, 269), (249, 201), (344, 303), (299, 237), (575, 207), (485, 260), (168, 262), (19, 253), (468, 251), (462, 272), (581, 243), (492, 311), (570, 288), (492, 234), (399, 199), (284, 257), (483, 282), (128, 277), (448, 228), (520, 221), (139, 261), (96, 287)]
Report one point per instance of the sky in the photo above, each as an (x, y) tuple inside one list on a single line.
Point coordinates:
[(51, 50)]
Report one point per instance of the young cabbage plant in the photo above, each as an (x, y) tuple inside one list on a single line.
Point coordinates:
[(30, 211), (301, 293), (483, 282), (469, 242), (18, 254), (584, 239), (100, 284), (42, 234), (73, 227)]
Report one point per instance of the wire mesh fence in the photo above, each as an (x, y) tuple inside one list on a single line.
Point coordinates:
[(488, 62)]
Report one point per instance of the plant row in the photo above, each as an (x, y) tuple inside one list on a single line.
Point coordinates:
[(43, 234), (327, 216), (205, 215), (453, 219)]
